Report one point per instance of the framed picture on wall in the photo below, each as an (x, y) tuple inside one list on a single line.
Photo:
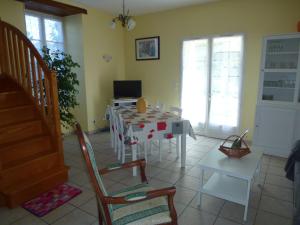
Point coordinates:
[(147, 48)]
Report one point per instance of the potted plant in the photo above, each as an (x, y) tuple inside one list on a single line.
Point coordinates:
[(67, 83)]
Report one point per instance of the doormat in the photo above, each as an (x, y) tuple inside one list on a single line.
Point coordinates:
[(46, 202)]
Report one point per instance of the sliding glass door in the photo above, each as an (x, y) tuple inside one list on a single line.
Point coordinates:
[(211, 84)]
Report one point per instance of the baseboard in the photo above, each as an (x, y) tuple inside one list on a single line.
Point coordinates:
[(99, 130)]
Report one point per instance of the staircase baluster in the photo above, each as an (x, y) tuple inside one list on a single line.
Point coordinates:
[(29, 84), (11, 54), (41, 87), (33, 71), (22, 63), (17, 59)]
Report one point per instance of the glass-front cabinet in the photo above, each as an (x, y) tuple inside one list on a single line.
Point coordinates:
[(277, 119), (280, 69)]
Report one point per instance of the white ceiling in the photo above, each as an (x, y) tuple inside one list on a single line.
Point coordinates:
[(139, 7)]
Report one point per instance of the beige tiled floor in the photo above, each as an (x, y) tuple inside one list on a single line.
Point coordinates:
[(270, 205)]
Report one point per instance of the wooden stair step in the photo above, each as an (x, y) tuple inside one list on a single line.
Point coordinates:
[(24, 148), (6, 84), (32, 187), (31, 152), (19, 131), (29, 169), (13, 99), (24, 160), (17, 114)]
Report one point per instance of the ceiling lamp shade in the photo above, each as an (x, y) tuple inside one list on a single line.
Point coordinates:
[(131, 24), (125, 19)]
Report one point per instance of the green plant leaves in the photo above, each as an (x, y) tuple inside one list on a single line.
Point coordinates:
[(67, 82)]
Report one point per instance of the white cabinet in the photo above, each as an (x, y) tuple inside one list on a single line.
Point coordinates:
[(274, 130), (277, 122), (124, 101)]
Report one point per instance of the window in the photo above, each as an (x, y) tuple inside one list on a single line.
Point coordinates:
[(44, 30), (212, 70)]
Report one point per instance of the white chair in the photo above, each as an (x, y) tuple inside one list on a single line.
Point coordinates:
[(125, 143), (176, 110), (114, 138), (111, 126), (160, 106)]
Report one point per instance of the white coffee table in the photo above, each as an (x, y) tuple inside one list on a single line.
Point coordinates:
[(232, 177)]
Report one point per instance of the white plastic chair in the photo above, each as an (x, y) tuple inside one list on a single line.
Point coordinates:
[(160, 106), (125, 142), (112, 127), (176, 110)]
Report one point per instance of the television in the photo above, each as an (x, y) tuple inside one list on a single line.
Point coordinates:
[(127, 89)]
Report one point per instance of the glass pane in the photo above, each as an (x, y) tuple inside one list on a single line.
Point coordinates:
[(282, 53), (33, 27), (226, 81), (195, 81), (38, 45), (53, 46), (53, 30), (279, 86)]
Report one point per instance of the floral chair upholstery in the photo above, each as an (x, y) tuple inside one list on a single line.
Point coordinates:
[(136, 205)]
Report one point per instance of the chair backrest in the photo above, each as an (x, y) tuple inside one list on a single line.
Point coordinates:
[(96, 178), (120, 124), (160, 106), (120, 127), (112, 126), (124, 140), (111, 117), (176, 110)]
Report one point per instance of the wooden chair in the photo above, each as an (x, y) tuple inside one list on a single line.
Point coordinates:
[(138, 204)]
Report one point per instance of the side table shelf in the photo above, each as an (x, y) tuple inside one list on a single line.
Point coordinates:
[(226, 187)]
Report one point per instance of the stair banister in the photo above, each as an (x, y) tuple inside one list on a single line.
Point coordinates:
[(21, 61)]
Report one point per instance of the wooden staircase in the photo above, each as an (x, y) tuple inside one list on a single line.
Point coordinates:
[(31, 152)]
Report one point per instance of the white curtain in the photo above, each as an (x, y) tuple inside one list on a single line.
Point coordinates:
[(195, 81), (211, 84), (225, 88)]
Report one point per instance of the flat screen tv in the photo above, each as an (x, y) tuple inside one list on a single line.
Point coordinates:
[(127, 89)]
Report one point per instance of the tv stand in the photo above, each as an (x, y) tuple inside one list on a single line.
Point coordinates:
[(124, 101)]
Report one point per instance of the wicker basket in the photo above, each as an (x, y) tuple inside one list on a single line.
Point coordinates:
[(237, 152)]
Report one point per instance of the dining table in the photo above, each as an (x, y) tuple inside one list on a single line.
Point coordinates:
[(154, 125)]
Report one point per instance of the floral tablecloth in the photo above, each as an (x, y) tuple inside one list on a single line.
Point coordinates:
[(153, 124)]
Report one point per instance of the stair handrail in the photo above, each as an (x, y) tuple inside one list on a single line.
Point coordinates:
[(20, 60)]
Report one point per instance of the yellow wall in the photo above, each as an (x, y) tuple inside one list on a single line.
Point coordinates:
[(161, 78), (88, 38), (254, 18), (99, 39), (74, 47), (13, 13)]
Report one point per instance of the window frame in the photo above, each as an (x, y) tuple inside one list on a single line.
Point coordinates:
[(42, 31)]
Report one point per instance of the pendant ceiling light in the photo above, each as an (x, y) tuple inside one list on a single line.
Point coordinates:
[(125, 19)]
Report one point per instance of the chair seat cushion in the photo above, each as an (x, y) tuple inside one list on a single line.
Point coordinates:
[(148, 212)]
